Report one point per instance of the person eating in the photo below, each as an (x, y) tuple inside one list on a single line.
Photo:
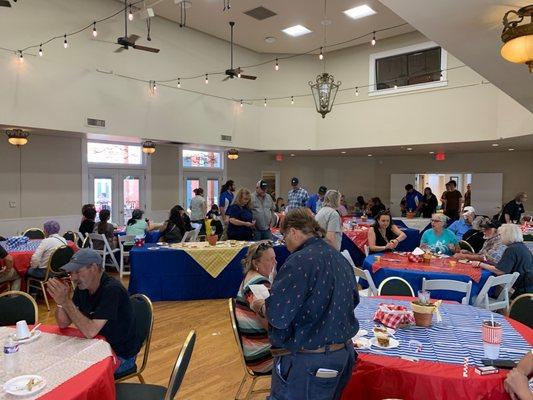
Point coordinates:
[(438, 239), (384, 235), (100, 305)]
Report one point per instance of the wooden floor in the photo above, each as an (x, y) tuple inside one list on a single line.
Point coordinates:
[(215, 371)]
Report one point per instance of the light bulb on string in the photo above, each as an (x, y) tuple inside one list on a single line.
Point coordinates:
[(373, 42), (21, 56), (95, 33), (321, 55), (154, 86), (179, 83), (242, 104), (441, 77), (395, 86), (239, 73), (206, 79), (276, 66), (41, 50), (292, 99), (130, 14), (65, 43), (356, 91), (265, 102)]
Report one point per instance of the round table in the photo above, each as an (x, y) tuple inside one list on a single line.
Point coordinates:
[(379, 377)]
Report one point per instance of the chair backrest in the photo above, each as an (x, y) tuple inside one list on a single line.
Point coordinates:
[(60, 256), (125, 238), (181, 366), (17, 306), (464, 245), (34, 233), (449, 284), (506, 281), (144, 323), (237, 335), (70, 235), (522, 309), (395, 286), (186, 236), (195, 232)]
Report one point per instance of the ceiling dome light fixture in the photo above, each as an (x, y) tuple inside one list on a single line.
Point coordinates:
[(148, 147), (233, 154), (518, 39), (17, 137)]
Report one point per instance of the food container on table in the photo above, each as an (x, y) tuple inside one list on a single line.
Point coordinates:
[(212, 239), (139, 241), (423, 313)]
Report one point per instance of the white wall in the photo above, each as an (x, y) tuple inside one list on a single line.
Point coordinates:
[(61, 89)]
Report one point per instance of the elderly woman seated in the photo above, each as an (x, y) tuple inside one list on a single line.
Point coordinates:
[(384, 235), (39, 259), (516, 258), (438, 239), (493, 247), (259, 265)]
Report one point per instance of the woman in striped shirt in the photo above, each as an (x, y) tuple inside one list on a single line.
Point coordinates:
[(259, 265)]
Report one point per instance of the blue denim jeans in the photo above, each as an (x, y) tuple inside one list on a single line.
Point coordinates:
[(294, 375), (125, 365)]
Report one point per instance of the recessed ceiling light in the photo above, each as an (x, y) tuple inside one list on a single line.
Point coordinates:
[(495, 144), (510, 149), (409, 149), (343, 152), (359, 12), (370, 155), (431, 152), (270, 39), (296, 30)]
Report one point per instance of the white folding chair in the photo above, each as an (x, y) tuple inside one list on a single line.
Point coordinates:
[(449, 284), (395, 286), (186, 236), (367, 250), (195, 232), (105, 251), (506, 282), (362, 274), (123, 253)]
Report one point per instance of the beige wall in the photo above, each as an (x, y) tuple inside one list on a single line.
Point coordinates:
[(165, 180), (370, 176)]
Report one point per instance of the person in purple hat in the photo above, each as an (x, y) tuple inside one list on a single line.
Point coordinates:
[(39, 259)]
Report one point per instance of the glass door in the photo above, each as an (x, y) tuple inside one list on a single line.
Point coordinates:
[(210, 182), (102, 185), (131, 193)]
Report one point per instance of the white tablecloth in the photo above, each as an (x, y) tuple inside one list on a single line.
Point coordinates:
[(415, 223)]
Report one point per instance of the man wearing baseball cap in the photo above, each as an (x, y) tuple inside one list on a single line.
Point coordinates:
[(100, 306), (315, 201), (297, 196), (263, 208), (461, 226), (492, 250)]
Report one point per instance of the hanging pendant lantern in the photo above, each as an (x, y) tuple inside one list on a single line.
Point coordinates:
[(324, 92), (148, 147), (17, 137), (233, 154)]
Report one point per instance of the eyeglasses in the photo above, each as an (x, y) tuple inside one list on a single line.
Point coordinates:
[(261, 247), (436, 220)]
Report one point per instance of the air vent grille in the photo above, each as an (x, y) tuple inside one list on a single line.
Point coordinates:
[(260, 13), (96, 122), (225, 138)]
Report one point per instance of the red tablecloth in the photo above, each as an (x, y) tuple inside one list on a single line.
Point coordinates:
[(381, 377), (359, 236), (397, 261), (21, 259), (95, 383)]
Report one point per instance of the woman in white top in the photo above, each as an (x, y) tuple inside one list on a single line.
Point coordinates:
[(198, 206), (39, 259), (329, 219)]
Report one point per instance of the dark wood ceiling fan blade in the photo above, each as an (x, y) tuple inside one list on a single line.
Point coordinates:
[(133, 38), (144, 48), (253, 78), (120, 50), (5, 3), (226, 78)]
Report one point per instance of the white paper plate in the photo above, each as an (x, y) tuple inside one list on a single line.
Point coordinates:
[(153, 248), (389, 330), (34, 336), (392, 343), (18, 386), (360, 332), (361, 342)]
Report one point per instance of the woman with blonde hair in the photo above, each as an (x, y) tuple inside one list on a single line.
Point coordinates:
[(516, 258), (259, 265), (241, 224), (329, 219)]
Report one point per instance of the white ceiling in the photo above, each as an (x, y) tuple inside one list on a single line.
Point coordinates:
[(470, 30), (207, 16)]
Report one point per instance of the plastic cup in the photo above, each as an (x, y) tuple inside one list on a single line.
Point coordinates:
[(424, 296), (492, 339), (23, 331)]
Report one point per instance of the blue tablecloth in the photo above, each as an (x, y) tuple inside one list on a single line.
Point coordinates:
[(151, 236), (171, 274), (30, 245), (449, 341), (414, 277)]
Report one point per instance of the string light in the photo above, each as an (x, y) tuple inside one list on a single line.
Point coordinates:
[(21, 56), (356, 91), (206, 79), (130, 15), (276, 67), (95, 33), (373, 42), (321, 55), (239, 73), (265, 102), (154, 86), (41, 50), (441, 77), (395, 86), (179, 83), (292, 99), (65, 43), (242, 104)]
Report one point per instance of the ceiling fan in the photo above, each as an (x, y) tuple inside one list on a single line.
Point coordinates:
[(6, 3), (129, 41), (235, 72)]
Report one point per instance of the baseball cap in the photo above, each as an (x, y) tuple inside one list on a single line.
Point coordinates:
[(469, 209), (322, 190), (262, 184), (82, 258), (489, 223), (294, 181)]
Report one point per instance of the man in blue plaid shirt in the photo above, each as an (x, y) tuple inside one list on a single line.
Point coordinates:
[(297, 196)]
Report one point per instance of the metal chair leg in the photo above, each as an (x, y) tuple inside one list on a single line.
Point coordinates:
[(240, 387), (141, 379), (45, 296), (250, 391)]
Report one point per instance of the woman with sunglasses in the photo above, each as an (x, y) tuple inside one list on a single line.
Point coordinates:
[(259, 264), (384, 235), (438, 239)]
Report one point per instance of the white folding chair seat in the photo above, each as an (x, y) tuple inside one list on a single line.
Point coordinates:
[(107, 250), (506, 282), (123, 253), (449, 284), (362, 274)]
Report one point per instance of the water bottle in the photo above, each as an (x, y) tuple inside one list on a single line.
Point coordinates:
[(11, 356)]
